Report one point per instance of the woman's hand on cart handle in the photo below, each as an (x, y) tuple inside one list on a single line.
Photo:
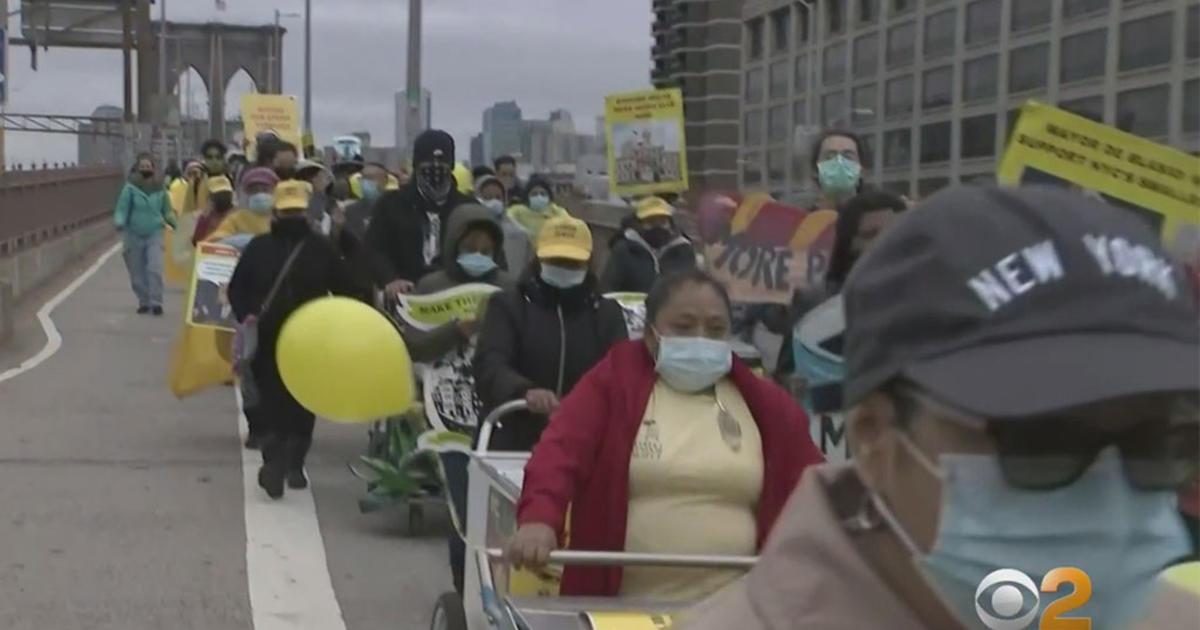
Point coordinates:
[(541, 401), (530, 547)]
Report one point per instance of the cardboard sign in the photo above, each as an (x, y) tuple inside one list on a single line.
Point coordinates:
[(270, 112), (647, 152), (207, 304)]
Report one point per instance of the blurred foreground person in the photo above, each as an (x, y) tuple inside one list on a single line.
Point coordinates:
[(1021, 378), (277, 273)]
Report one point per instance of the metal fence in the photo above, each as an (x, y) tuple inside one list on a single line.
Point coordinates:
[(37, 205)]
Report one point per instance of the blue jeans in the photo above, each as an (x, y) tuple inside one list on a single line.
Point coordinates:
[(144, 260)]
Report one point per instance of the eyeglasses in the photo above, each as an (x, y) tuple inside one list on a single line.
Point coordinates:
[(1162, 452)]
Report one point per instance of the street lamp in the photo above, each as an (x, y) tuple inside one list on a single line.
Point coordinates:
[(276, 46)]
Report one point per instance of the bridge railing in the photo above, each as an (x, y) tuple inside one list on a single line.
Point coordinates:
[(42, 204)]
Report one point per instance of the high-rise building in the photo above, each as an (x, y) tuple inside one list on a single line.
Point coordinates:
[(402, 116), (933, 87), (698, 48), (501, 130), (477, 155)]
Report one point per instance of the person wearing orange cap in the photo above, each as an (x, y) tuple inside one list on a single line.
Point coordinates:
[(277, 273), (538, 339), (650, 246)]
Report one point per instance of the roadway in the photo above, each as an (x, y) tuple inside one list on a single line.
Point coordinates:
[(125, 508)]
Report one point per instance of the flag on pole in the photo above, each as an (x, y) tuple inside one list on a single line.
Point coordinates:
[(220, 5)]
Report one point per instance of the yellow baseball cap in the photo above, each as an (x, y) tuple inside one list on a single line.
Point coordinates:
[(653, 207), (292, 194), (219, 183), (565, 237)]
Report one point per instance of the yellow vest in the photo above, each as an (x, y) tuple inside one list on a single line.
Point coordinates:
[(241, 221)]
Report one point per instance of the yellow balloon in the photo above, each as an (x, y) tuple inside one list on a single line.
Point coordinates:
[(344, 361), (1185, 576)]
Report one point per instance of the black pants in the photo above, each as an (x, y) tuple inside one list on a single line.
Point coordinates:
[(455, 467)]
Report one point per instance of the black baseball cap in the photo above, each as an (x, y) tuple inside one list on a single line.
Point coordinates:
[(433, 143), (1010, 302)]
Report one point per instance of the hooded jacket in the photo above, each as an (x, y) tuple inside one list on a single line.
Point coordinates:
[(143, 207), (398, 228), (535, 336), (243, 222), (518, 247), (533, 220), (425, 346), (634, 265), (811, 574)]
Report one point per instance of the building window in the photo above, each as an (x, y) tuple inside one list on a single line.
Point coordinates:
[(1011, 124), (939, 34), (776, 165), (897, 148), (1144, 111), (1091, 107), (754, 39), (833, 108), (862, 104), (836, 12), (1191, 106), (900, 6), (801, 74), (754, 85), (979, 78), (777, 124), (1073, 8), (897, 187), (868, 11), (1027, 14), (752, 169), (834, 67), (1146, 42), (800, 112), (901, 41), (935, 142), (779, 31), (898, 97), (936, 88), (802, 23), (979, 136), (752, 130), (866, 153), (983, 21), (930, 185), (1083, 56), (866, 55), (778, 79), (1192, 40), (1027, 68)]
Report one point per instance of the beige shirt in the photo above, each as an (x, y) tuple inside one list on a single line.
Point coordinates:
[(695, 477)]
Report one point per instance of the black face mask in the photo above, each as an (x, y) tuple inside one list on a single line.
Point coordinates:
[(434, 181), (657, 236), (146, 174), (286, 172)]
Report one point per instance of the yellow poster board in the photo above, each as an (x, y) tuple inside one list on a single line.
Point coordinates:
[(629, 621), (647, 151), (1158, 183), (274, 112)]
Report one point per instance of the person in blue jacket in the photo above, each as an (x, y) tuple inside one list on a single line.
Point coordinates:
[(143, 208)]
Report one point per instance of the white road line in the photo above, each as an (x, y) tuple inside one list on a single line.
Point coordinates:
[(53, 337), (286, 571)]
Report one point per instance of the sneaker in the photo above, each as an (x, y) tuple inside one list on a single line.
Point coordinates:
[(296, 480), (156, 311), (142, 310), (270, 478), (251, 442)]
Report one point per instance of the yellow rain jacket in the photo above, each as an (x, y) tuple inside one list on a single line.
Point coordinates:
[(241, 221), (533, 220)]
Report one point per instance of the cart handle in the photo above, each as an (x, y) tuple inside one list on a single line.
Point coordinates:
[(624, 558), (489, 421)]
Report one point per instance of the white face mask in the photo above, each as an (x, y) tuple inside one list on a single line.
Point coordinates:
[(690, 364), (562, 277)]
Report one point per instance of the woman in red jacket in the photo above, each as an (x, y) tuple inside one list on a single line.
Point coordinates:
[(668, 445)]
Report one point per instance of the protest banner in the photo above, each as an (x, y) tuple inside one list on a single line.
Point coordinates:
[(269, 112), (817, 380), (763, 250), (448, 383), (1158, 183), (647, 152), (633, 307), (207, 303)]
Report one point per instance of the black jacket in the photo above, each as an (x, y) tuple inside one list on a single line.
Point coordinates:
[(521, 347), (633, 265), (317, 271), (397, 230)]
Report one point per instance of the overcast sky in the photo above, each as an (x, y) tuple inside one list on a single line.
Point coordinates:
[(545, 54)]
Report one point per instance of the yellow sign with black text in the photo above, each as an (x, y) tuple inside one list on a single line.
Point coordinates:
[(647, 151)]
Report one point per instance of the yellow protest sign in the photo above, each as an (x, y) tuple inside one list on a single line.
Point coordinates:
[(426, 312), (629, 621), (1158, 183), (269, 112), (647, 152)]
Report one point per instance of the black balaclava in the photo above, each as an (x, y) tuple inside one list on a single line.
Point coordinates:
[(433, 157)]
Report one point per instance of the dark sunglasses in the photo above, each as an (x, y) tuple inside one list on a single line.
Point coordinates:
[(1160, 453)]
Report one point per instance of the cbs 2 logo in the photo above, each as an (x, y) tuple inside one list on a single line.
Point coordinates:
[(1002, 600)]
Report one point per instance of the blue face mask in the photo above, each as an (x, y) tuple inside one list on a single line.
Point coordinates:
[(260, 202), (368, 188), (495, 205), (1120, 536), (539, 202), (838, 175), (690, 364), (475, 264), (562, 277)]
